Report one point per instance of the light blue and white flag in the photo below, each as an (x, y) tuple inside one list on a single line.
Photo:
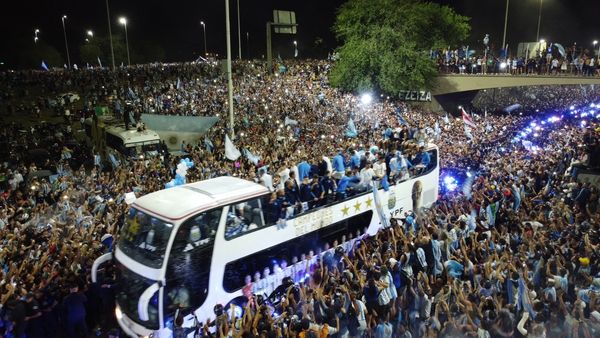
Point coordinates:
[(290, 122), (99, 62), (113, 160), (351, 129), (44, 66), (131, 94), (251, 157), (379, 206), (446, 119), (208, 144), (231, 152), (178, 85)]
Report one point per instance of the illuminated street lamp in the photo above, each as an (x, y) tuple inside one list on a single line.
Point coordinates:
[(90, 34), (35, 33), (123, 21), (63, 18), (295, 48), (204, 31)]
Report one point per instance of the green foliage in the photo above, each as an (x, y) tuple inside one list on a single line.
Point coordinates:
[(99, 47), (386, 43)]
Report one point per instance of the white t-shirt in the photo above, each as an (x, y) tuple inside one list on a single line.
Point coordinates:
[(284, 175), (267, 181), (366, 176), (379, 169)]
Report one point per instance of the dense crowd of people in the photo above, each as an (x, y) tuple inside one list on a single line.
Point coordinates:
[(552, 59), (511, 253), (533, 99)]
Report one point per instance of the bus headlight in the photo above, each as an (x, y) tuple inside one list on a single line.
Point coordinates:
[(118, 313)]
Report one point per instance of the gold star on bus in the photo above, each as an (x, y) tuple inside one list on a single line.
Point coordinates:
[(369, 202), (345, 210), (357, 207)]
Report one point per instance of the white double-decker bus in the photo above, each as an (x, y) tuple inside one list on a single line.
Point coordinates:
[(193, 246)]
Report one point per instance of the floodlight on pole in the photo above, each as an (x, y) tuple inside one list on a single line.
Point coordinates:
[(90, 33), (229, 79), (123, 21), (112, 50), (539, 20), (64, 17), (204, 32)]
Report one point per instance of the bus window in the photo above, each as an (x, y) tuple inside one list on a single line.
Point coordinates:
[(128, 292), (265, 260), (114, 142), (243, 217), (144, 238), (188, 269)]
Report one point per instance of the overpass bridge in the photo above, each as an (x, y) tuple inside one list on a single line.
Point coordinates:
[(452, 90), (454, 83)]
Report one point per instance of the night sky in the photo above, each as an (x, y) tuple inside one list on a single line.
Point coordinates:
[(175, 24)]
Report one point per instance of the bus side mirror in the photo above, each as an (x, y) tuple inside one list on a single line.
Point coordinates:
[(144, 301), (99, 261)]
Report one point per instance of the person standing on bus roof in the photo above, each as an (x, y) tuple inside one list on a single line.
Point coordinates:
[(329, 186), (338, 165), (355, 159), (265, 179), (303, 169)]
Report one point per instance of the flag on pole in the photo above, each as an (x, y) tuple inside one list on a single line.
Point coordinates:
[(251, 157), (402, 121), (467, 119), (289, 122), (351, 129), (523, 298), (178, 86), (208, 144), (379, 207), (44, 66), (231, 152), (99, 62)]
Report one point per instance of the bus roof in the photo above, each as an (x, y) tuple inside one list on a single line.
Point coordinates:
[(131, 137), (185, 200)]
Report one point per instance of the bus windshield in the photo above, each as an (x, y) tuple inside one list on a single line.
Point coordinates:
[(129, 289), (144, 238)]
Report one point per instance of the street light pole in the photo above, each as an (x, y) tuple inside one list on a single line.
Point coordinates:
[(123, 21), (295, 49), (229, 80), (204, 30), (239, 32), (64, 17), (35, 35), (112, 51), (505, 25), (537, 37), (248, 44)]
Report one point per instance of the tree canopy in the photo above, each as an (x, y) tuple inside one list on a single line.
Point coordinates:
[(386, 43)]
